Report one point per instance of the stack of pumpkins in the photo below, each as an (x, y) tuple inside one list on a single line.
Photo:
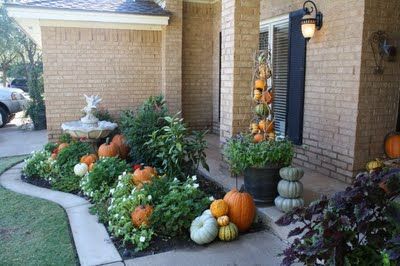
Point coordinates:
[(262, 125), (290, 189), (225, 218), (117, 147)]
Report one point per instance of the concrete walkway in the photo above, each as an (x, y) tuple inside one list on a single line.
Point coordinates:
[(92, 241), (16, 141), (261, 248)]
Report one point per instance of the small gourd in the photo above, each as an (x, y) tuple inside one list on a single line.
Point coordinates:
[(80, 169), (219, 208), (291, 173), (290, 189), (204, 229), (374, 165), (262, 109), (223, 220), (287, 205), (228, 232)]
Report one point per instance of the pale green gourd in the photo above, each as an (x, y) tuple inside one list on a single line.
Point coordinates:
[(291, 173), (287, 205), (290, 189), (204, 229)]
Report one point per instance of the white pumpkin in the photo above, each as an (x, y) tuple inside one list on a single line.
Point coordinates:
[(290, 189), (80, 169), (287, 205), (204, 229), (207, 212)]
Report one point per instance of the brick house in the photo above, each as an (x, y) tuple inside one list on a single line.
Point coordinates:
[(198, 54)]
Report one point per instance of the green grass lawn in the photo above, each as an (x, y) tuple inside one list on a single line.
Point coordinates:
[(32, 231)]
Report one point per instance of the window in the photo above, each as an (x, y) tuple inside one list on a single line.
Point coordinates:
[(274, 35)]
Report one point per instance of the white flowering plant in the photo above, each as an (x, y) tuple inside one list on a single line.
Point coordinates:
[(175, 203), (39, 165)]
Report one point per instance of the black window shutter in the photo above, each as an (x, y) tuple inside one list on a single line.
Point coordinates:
[(296, 78)]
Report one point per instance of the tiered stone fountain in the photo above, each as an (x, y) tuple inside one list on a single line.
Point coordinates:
[(89, 128)]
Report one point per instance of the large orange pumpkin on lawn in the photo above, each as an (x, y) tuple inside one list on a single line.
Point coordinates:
[(392, 145), (143, 175), (108, 149), (120, 141), (141, 215), (89, 159), (242, 209)]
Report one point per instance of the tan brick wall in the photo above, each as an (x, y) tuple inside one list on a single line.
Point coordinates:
[(240, 34), (122, 66), (216, 29), (332, 85), (379, 94), (171, 57), (197, 65)]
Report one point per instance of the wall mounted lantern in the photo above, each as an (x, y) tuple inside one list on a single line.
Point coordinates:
[(310, 22)]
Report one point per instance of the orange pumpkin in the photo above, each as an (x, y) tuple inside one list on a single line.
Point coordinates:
[(258, 137), (270, 126), (88, 159), (120, 141), (219, 208), (392, 145), (108, 149), (90, 167), (141, 215), (62, 146), (259, 84), (143, 175), (242, 209), (267, 97)]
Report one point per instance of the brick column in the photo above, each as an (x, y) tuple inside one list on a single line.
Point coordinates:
[(171, 56), (240, 26)]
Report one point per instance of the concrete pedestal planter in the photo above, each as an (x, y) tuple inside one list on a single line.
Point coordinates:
[(262, 183)]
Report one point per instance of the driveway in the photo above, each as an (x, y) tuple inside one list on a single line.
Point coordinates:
[(16, 141)]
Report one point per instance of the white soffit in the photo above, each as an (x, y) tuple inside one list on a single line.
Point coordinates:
[(31, 19)]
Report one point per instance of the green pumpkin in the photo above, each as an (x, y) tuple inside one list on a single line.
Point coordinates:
[(228, 232), (287, 205), (290, 189), (262, 109), (291, 173), (204, 229)]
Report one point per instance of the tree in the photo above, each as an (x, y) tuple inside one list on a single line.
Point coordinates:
[(9, 43)]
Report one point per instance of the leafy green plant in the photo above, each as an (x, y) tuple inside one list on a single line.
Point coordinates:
[(65, 138), (178, 152), (64, 178), (137, 127), (36, 107), (358, 226), (39, 166), (177, 209), (103, 115), (50, 146), (241, 153)]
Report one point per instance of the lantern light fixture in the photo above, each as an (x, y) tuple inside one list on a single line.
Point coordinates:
[(311, 21)]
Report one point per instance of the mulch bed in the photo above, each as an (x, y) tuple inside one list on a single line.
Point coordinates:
[(160, 244)]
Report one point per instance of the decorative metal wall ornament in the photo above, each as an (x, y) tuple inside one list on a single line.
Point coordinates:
[(381, 50)]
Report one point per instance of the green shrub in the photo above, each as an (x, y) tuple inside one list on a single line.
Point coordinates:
[(178, 152), (36, 107), (241, 153), (65, 138), (175, 203), (39, 166), (103, 115), (177, 209), (64, 178), (137, 127), (50, 147)]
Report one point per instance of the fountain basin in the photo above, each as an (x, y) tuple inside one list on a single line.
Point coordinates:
[(77, 129)]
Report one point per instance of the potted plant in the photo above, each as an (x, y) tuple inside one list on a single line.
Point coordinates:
[(259, 163)]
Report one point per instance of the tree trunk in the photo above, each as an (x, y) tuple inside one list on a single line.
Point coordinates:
[(4, 69)]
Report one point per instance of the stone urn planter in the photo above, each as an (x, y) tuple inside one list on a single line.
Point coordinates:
[(262, 183)]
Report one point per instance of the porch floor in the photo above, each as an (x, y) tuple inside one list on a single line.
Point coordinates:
[(315, 184)]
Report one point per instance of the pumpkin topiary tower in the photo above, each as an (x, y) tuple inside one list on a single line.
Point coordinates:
[(262, 124)]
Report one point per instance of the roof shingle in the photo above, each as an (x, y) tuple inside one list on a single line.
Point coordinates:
[(140, 7)]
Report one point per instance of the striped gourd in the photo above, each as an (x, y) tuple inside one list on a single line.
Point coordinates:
[(228, 232)]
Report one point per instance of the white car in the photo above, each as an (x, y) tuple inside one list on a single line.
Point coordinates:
[(12, 101)]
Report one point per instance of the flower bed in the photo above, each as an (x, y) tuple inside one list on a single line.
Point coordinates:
[(146, 201)]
